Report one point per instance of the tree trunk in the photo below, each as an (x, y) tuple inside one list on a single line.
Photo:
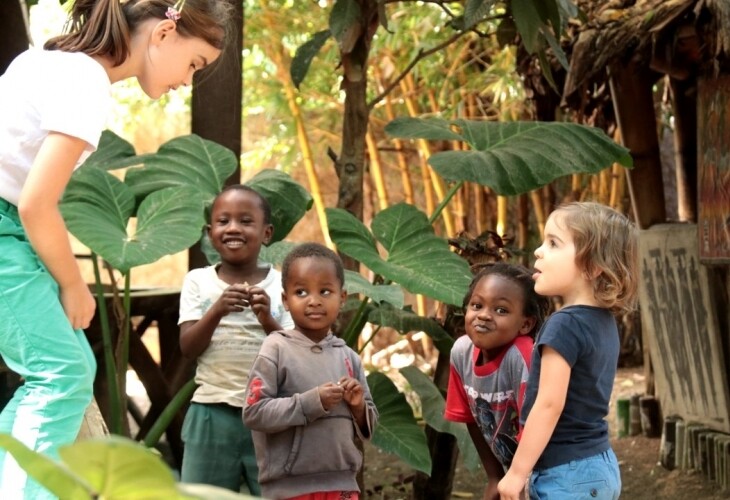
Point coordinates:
[(14, 37), (442, 446), (217, 105)]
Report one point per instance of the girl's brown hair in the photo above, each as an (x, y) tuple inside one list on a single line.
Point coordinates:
[(606, 246), (105, 27)]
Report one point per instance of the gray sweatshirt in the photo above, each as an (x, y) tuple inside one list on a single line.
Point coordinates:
[(300, 447)]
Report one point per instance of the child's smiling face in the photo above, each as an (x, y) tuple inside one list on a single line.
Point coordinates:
[(495, 313), (237, 228), (313, 295)]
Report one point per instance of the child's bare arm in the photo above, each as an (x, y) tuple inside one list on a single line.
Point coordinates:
[(261, 307), (491, 465), (195, 335), (540, 424)]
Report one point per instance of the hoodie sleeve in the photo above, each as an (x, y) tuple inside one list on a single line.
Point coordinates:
[(371, 412), (263, 410)]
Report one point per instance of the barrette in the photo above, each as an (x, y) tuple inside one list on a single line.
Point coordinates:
[(174, 12)]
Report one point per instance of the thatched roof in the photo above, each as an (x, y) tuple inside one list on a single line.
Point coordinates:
[(621, 30)]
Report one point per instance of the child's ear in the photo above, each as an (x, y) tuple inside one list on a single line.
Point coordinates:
[(268, 233), (163, 29), (343, 297), (527, 325), (208, 227), (284, 301)]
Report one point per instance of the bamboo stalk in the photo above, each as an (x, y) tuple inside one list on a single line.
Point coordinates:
[(405, 173), (502, 206), (278, 53), (429, 175), (538, 205), (478, 203), (376, 171)]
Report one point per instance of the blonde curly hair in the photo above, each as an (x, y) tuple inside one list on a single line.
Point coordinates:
[(606, 246)]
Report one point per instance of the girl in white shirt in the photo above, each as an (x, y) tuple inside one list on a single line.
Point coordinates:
[(54, 105)]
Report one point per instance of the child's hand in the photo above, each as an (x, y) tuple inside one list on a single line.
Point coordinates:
[(330, 395), (353, 393), (78, 304), (233, 299), (512, 486), (260, 303)]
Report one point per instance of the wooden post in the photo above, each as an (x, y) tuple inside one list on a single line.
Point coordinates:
[(631, 92), (217, 106), (684, 104)]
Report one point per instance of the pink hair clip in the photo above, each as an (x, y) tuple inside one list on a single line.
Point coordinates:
[(172, 14)]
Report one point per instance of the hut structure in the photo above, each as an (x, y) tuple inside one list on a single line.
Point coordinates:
[(618, 58)]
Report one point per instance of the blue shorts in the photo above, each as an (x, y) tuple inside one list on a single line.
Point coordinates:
[(596, 477)]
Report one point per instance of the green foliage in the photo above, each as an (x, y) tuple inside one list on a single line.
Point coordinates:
[(289, 201), (189, 161), (356, 283), (517, 157), (418, 260), (113, 467), (405, 320), (168, 221), (433, 405), (397, 431), (304, 55)]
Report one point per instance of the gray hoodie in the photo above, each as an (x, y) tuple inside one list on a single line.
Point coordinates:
[(300, 447)]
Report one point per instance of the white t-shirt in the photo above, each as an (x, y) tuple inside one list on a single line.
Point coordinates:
[(43, 91), (222, 372)]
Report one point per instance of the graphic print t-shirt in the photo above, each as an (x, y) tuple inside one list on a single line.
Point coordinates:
[(490, 394)]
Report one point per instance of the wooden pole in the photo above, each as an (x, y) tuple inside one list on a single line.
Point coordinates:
[(631, 92)]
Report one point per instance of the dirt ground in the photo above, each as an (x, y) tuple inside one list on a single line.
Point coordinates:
[(642, 475)]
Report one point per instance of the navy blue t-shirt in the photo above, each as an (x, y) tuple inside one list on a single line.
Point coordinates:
[(587, 338)]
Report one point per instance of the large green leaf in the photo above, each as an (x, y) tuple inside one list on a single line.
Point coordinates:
[(405, 321), (118, 467), (418, 260), (113, 153), (92, 186), (397, 431), (433, 405), (189, 161), (288, 199), (276, 252), (356, 283), (168, 221), (305, 53), (56, 477), (516, 157)]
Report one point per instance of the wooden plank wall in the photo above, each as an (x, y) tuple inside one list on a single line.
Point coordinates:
[(679, 317)]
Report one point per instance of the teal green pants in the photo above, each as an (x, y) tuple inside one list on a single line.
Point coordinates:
[(218, 449), (38, 343)]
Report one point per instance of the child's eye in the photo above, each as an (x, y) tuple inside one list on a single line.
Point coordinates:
[(300, 292), (326, 293), (475, 306), (501, 310), (222, 221)]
